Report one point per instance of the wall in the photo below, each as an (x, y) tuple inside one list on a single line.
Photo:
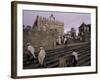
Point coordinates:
[(5, 41)]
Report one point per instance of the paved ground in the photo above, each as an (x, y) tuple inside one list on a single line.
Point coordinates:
[(52, 57)]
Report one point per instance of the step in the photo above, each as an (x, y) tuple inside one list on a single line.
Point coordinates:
[(52, 58)]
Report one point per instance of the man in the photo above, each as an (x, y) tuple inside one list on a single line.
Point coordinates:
[(41, 56), (31, 50), (75, 58), (65, 42)]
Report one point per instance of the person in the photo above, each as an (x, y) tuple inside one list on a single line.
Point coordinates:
[(59, 40), (66, 42), (41, 57), (62, 62), (73, 58), (31, 50)]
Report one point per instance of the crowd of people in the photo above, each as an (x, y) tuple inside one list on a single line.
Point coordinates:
[(72, 60), (61, 40)]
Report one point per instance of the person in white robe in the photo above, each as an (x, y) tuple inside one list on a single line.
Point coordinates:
[(31, 50), (65, 40), (73, 59), (41, 56), (75, 54), (59, 40)]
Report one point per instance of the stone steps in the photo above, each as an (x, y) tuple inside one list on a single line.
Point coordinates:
[(52, 59), (66, 56), (57, 53)]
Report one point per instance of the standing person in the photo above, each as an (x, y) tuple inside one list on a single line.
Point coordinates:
[(66, 41), (41, 56), (59, 40), (75, 57), (31, 50)]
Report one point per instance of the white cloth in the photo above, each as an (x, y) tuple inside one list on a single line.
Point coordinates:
[(59, 40), (65, 39), (75, 54), (32, 50), (41, 56)]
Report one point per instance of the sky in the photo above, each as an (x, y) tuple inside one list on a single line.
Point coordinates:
[(70, 19)]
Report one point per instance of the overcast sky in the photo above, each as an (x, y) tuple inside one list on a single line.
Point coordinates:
[(70, 19)]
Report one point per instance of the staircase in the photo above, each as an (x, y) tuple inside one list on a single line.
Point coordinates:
[(52, 57)]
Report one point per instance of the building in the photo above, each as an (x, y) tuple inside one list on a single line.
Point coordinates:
[(73, 33), (46, 24), (45, 32), (85, 32)]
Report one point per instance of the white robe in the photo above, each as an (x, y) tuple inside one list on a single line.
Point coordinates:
[(32, 50), (65, 39), (41, 56), (76, 55), (59, 40)]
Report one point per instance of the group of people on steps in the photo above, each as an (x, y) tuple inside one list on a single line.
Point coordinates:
[(73, 58)]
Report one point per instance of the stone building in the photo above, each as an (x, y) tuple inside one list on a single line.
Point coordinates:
[(44, 32), (73, 33), (85, 32), (50, 23)]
